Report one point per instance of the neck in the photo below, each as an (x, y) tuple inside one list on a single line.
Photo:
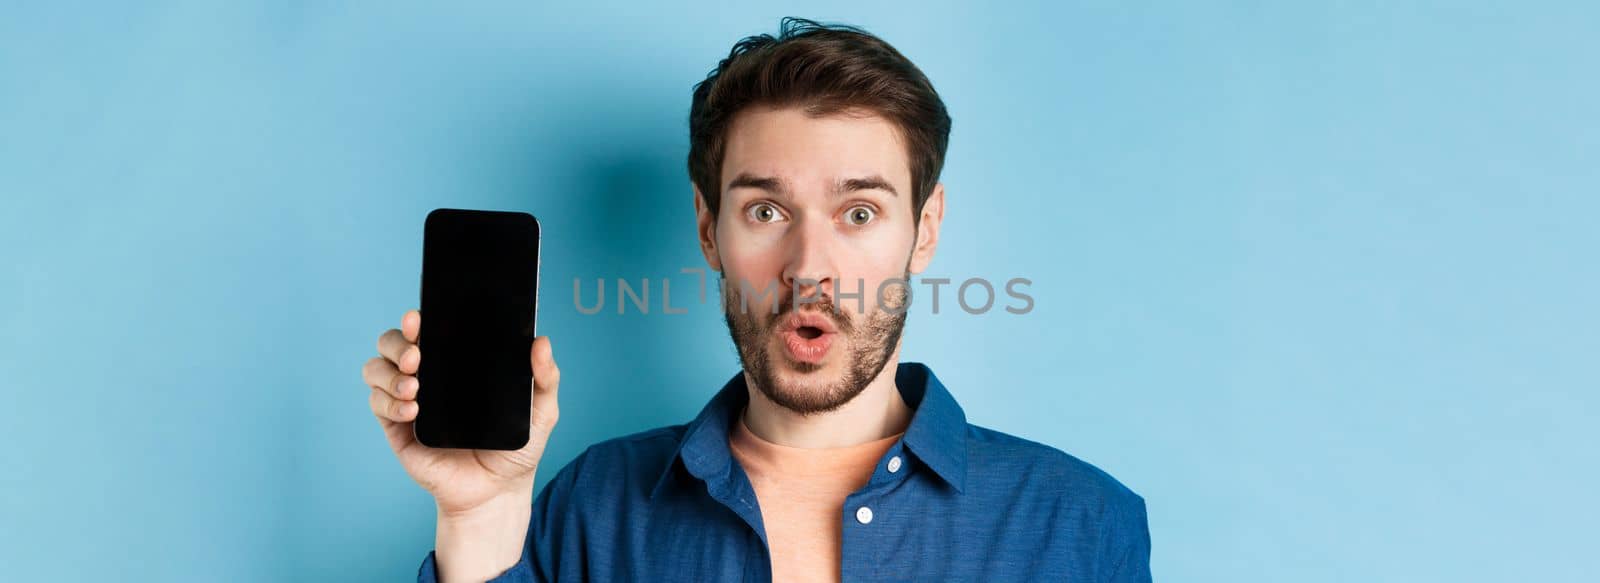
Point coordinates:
[(876, 413)]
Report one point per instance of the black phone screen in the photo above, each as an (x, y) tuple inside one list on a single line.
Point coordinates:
[(480, 282)]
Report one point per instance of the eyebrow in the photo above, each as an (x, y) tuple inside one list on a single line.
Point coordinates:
[(777, 186), (767, 183), (867, 183)]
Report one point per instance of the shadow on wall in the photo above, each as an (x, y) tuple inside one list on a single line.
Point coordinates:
[(618, 204)]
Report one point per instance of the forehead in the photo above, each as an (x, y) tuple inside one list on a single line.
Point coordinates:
[(789, 143)]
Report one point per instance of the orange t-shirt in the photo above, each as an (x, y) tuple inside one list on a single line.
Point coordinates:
[(801, 492)]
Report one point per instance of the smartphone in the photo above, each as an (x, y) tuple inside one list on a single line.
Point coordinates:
[(480, 291)]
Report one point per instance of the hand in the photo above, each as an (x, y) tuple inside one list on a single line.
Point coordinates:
[(483, 496)]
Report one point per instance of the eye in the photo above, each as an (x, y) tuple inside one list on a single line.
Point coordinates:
[(764, 212), (860, 215)]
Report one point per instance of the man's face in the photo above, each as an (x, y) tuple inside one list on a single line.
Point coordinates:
[(813, 207)]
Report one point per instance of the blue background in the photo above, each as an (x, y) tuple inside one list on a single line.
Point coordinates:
[(1317, 280)]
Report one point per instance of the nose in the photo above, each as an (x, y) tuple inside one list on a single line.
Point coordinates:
[(809, 271)]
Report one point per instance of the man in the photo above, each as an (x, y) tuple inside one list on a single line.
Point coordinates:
[(815, 159)]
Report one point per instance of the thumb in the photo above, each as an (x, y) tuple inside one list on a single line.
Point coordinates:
[(546, 381)]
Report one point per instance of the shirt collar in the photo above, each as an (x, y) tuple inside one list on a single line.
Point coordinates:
[(937, 433)]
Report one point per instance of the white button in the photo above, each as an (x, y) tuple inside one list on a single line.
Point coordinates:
[(894, 464), (863, 515)]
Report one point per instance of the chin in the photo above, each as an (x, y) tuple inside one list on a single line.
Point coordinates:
[(805, 378), (795, 373)]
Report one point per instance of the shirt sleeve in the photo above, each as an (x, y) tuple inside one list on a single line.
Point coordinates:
[(1131, 548), (547, 540)]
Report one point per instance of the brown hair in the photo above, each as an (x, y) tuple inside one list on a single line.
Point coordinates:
[(826, 69)]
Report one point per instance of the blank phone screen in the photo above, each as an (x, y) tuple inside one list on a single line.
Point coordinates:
[(480, 277)]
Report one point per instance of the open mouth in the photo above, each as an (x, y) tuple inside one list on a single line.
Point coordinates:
[(807, 336)]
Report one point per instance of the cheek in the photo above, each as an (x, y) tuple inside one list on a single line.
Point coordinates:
[(756, 270), (880, 253), (749, 256), (870, 267)]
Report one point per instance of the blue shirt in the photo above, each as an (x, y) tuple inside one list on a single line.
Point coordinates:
[(961, 503)]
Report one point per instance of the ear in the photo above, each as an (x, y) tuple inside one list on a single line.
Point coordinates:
[(706, 228), (928, 229)]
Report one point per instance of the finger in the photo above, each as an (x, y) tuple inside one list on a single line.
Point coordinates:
[(404, 387), (378, 372), (405, 355), (411, 325), (399, 436), (387, 407), (381, 374), (546, 381)]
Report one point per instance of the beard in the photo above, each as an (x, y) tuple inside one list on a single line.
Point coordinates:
[(872, 336)]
